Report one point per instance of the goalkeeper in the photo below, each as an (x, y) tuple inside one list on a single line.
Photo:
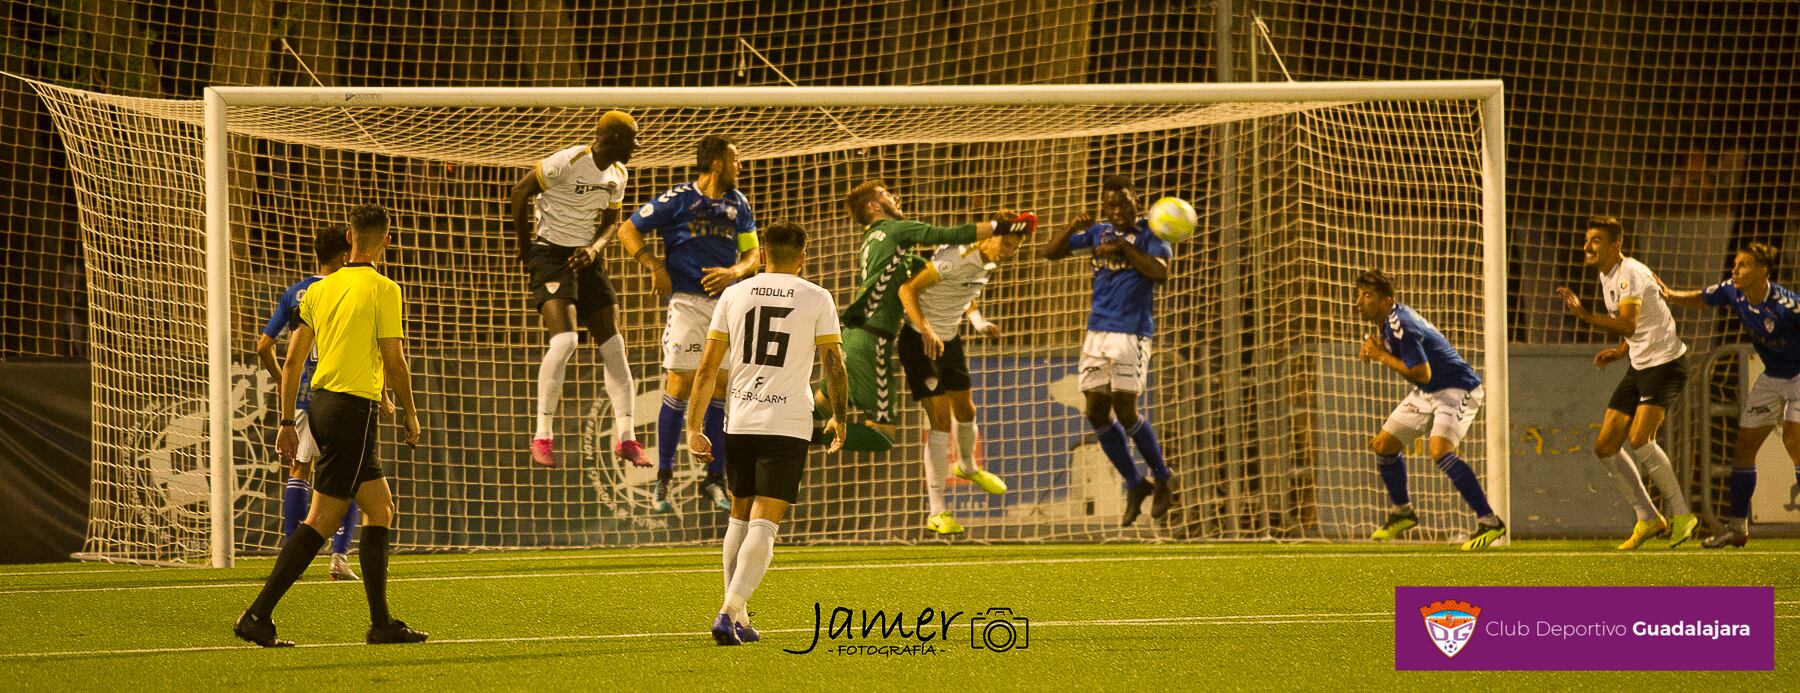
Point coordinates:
[(871, 321)]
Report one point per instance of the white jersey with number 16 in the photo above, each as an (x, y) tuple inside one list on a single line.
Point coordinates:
[(771, 324)]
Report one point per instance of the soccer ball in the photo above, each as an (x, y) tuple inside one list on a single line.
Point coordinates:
[(1172, 219)]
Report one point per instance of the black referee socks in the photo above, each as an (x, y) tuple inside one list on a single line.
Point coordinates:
[(298, 553), (374, 558)]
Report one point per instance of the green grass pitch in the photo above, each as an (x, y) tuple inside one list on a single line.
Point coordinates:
[(1215, 616)]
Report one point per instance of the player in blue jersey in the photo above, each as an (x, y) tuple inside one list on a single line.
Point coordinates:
[(1770, 314), (709, 243), (1446, 395), (1128, 263), (330, 245)]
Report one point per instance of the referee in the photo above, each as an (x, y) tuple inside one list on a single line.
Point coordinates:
[(355, 313)]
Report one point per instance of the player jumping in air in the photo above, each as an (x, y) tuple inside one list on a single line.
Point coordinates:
[(931, 349), (1636, 311), (709, 240), (1128, 262), (872, 320), (579, 192), (762, 341), (330, 246), (1446, 395), (1770, 314)]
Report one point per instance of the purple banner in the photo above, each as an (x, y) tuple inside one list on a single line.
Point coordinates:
[(1584, 628)]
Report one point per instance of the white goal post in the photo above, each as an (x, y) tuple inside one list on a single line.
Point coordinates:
[(1330, 178)]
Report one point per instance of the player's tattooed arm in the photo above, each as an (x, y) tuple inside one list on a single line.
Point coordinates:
[(837, 387), (1058, 247)]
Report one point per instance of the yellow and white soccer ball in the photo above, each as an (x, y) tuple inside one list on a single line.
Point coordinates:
[(1173, 219)]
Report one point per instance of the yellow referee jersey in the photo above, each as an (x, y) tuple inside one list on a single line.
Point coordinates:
[(348, 310)]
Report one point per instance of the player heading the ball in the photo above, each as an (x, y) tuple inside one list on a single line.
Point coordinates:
[(579, 193), (1445, 398), (1128, 263)]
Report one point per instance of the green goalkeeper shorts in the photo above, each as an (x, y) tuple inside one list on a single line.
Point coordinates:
[(870, 359)]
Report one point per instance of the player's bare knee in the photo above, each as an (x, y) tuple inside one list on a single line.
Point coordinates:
[(1440, 447), (938, 414), (962, 406), (1124, 407), (1385, 444), (1639, 439)]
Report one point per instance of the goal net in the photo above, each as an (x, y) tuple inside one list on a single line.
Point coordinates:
[(1256, 391)]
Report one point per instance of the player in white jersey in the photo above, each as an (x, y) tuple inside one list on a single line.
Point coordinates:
[(931, 349), (1637, 313), (765, 333), (580, 192)]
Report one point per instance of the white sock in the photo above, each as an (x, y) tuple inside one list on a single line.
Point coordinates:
[(550, 381), (965, 445), (752, 561), (1662, 473), (1624, 474), (620, 388), (734, 541), (937, 466)]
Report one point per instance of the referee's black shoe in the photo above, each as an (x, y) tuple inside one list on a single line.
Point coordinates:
[(1134, 501), (258, 630), (394, 632)]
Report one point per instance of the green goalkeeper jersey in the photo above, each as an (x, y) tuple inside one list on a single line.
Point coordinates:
[(887, 262)]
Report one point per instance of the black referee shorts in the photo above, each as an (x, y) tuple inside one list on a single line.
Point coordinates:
[(346, 429), (928, 377), (764, 465), (552, 278), (1656, 386)]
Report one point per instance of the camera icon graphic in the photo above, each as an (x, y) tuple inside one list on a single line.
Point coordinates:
[(999, 629)]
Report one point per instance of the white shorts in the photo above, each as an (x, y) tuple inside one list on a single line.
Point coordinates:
[(309, 448), (1445, 414), (684, 337), (1114, 360), (1771, 401)]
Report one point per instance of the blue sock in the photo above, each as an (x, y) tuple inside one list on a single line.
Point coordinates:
[(715, 432), (1112, 441), (296, 500), (1393, 475), (668, 432), (1145, 437), (1463, 478), (1743, 486), (340, 542)]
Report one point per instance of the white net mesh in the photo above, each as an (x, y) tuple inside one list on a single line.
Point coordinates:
[(1261, 406)]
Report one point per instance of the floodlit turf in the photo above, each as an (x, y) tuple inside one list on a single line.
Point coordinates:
[(1112, 616)]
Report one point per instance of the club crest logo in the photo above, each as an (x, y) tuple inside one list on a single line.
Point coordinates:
[(1451, 624)]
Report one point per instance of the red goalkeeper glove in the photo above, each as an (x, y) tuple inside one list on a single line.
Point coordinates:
[(1019, 225)]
